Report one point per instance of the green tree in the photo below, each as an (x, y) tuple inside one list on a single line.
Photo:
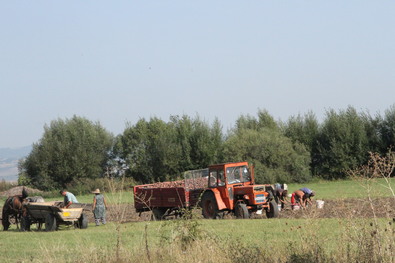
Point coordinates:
[(264, 120), (342, 144), (387, 129), (69, 150), (303, 129), (149, 151), (201, 144), (372, 129), (158, 151), (275, 157)]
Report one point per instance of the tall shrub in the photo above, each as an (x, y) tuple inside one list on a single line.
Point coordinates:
[(69, 150)]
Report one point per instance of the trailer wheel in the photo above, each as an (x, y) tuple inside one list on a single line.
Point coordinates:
[(210, 207), (273, 211), (241, 211), (50, 222), (83, 221), (158, 213)]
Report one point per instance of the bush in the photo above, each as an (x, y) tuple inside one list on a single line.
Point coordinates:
[(86, 186), (4, 186)]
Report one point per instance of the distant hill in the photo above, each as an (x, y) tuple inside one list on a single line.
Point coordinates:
[(9, 158), (15, 152)]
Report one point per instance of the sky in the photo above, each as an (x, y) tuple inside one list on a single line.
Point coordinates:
[(115, 62)]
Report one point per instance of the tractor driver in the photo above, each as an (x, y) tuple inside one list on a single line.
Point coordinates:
[(217, 179)]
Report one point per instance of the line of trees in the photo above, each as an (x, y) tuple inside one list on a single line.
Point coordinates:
[(297, 150)]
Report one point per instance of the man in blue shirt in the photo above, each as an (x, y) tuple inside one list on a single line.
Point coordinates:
[(69, 198)]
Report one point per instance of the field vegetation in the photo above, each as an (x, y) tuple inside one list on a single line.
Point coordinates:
[(347, 159), (303, 237), (266, 240)]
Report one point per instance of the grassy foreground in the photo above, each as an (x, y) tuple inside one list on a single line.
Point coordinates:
[(253, 240)]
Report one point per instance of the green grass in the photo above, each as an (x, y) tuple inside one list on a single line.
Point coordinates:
[(132, 235), (345, 188), (69, 244), (132, 242)]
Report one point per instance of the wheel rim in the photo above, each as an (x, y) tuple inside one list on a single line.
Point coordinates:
[(209, 208)]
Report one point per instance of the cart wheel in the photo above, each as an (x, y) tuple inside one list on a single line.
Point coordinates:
[(241, 211), (83, 221), (25, 223), (50, 222)]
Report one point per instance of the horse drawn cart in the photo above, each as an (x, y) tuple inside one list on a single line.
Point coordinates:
[(53, 215)]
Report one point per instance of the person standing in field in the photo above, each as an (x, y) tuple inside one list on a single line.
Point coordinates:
[(302, 196), (99, 207), (69, 198)]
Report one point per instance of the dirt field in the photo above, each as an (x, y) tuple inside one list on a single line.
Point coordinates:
[(348, 208)]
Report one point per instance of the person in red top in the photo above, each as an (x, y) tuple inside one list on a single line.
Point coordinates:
[(302, 196)]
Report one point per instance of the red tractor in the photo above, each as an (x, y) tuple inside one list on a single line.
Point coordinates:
[(231, 188)]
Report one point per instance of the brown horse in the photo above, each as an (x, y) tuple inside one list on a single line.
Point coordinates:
[(12, 209)]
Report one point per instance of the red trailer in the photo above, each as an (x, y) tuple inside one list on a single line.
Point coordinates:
[(168, 198), (219, 189)]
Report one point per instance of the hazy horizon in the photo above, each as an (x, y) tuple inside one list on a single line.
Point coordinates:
[(117, 62)]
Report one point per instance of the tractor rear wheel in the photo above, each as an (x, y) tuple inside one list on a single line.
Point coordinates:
[(241, 211), (210, 207), (272, 212)]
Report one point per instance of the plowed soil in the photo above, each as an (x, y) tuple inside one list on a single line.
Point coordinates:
[(347, 208), (336, 208)]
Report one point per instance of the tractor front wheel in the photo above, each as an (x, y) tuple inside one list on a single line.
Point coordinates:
[(241, 211), (272, 212)]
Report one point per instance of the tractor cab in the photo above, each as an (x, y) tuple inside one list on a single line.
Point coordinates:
[(230, 174)]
